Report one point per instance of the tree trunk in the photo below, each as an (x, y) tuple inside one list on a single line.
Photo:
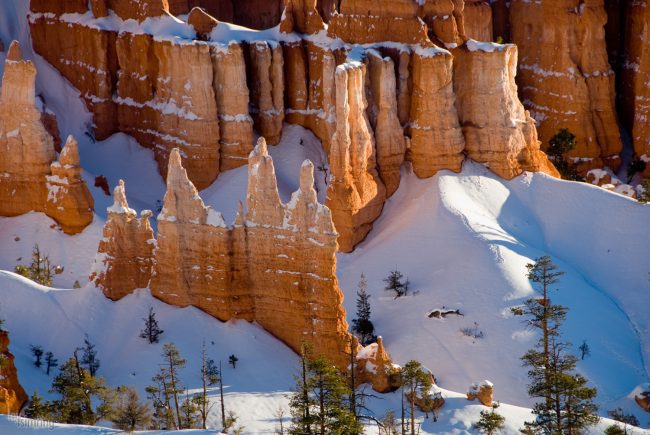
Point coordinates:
[(172, 372), (223, 408)]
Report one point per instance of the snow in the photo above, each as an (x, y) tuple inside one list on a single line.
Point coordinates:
[(487, 47), (462, 239)]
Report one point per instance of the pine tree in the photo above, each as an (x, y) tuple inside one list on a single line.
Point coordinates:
[(208, 377), (559, 145), (37, 351), (232, 360), (37, 409), (50, 362), (79, 392), (584, 349), (627, 419), (40, 270), (318, 405), (395, 284), (490, 422), (362, 325), (416, 383), (130, 414), (151, 331), (189, 411), (567, 402), (89, 357)]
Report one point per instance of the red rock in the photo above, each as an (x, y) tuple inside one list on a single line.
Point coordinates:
[(12, 394)]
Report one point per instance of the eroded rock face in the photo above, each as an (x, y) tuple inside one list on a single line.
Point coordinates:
[(69, 201), (125, 253), (375, 367), (30, 178), (227, 270), (267, 96), (436, 137), (635, 79), (12, 394), (505, 139), (355, 194), (389, 135), (483, 391), (564, 75)]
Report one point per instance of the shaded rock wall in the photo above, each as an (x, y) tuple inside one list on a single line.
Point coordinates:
[(12, 394), (30, 177), (564, 76)]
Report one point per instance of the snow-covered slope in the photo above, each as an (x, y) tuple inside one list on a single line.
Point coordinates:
[(462, 239)]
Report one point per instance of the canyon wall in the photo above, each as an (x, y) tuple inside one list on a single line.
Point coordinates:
[(31, 179), (399, 97), (12, 394)]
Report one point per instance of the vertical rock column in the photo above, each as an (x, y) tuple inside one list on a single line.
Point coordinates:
[(389, 136), (436, 138), (125, 254), (355, 194), (498, 131), (564, 75), (232, 98), (267, 94)]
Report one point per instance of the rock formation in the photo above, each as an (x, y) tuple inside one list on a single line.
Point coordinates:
[(355, 193), (372, 106), (30, 178), (375, 367), (505, 139), (125, 253), (389, 135), (635, 78), (564, 76), (483, 391), (642, 398), (12, 395)]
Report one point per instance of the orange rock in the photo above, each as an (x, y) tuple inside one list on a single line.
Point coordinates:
[(231, 91), (139, 10), (355, 194), (301, 16), (635, 78), (477, 20), (483, 391), (564, 76), (375, 367), (267, 97), (366, 29), (389, 135), (504, 139), (32, 181), (436, 138), (202, 22), (643, 397), (227, 270), (69, 201), (12, 395), (125, 253)]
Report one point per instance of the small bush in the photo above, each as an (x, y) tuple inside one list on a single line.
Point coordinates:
[(472, 331)]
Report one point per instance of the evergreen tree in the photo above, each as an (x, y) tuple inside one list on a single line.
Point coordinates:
[(40, 270), (416, 383), (627, 419), (50, 362), (212, 372), (490, 422), (559, 145), (163, 416), (37, 409), (318, 405), (37, 351), (362, 325), (130, 414), (151, 331), (208, 377), (173, 362), (567, 403), (189, 411), (89, 357), (584, 350), (79, 391), (232, 360), (395, 284), (223, 406)]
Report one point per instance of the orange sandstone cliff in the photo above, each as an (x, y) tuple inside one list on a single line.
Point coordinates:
[(30, 177), (12, 395)]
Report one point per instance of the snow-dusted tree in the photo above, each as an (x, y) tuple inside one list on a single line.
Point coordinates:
[(40, 270), (209, 376), (167, 388), (362, 325), (619, 415), (189, 413), (416, 382), (151, 331), (129, 413), (397, 283), (89, 357), (232, 360), (37, 409), (490, 422)]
